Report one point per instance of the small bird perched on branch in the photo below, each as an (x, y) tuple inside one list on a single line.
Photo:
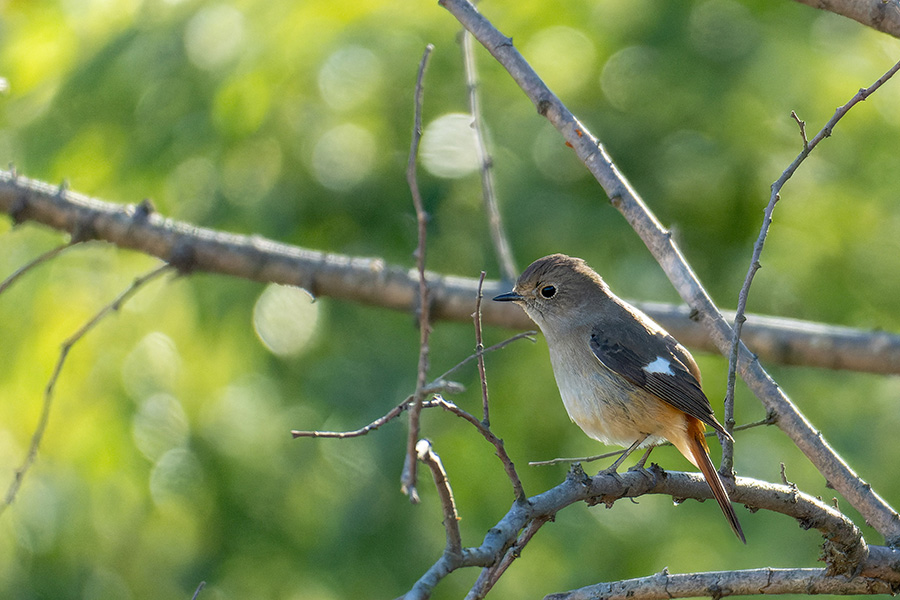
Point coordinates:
[(623, 379)]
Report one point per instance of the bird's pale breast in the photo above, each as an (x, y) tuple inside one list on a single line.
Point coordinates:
[(607, 407)]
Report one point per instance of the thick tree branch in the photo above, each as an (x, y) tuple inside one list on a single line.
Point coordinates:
[(861, 496), (848, 558), (881, 15), (664, 585), (371, 281)]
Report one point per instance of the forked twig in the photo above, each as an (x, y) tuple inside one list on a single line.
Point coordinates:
[(44, 419), (408, 478)]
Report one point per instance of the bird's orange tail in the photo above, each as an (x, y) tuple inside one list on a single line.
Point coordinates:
[(700, 454)]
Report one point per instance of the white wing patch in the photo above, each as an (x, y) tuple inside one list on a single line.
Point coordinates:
[(660, 365)]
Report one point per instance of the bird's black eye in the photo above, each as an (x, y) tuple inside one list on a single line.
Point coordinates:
[(548, 291)]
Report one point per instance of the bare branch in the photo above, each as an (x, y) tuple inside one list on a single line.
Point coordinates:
[(410, 467), (198, 590), (664, 585), (371, 281), (846, 551), (584, 459), (881, 15), (661, 244), (44, 419)]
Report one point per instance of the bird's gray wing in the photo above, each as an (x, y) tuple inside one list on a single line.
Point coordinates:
[(651, 360)]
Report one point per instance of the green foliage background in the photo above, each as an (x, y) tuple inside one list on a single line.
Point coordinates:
[(168, 460)]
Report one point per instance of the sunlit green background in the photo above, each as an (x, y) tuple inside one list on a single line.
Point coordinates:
[(168, 459)]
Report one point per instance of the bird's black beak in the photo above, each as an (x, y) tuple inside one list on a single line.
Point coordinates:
[(508, 297)]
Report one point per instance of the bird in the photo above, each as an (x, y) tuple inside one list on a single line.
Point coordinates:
[(624, 380)]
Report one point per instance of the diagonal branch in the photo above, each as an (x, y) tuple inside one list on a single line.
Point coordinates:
[(881, 15), (861, 496)]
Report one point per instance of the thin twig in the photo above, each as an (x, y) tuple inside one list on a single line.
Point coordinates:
[(427, 455), (491, 575), (666, 586), (342, 435), (495, 222), (775, 196), (584, 459), (528, 335), (53, 252), (441, 385), (489, 435), (408, 478), (479, 352), (44, 419), (198, 590)]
